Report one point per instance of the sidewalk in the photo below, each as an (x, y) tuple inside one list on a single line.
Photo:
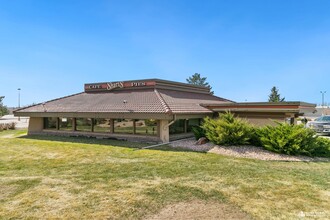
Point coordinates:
[(23, 123)]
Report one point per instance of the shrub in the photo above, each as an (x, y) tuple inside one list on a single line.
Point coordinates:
[(287, 139), (227, 130), (4, 127), (12, 126), (8, 126), (198, 132), (322, 147), (254, 138)]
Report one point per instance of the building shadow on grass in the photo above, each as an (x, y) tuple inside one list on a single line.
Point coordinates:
[(106, 142), (175, 149), (86, 140)]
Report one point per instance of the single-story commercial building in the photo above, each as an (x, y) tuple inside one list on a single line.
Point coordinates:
[(262, 113), (144, 110)]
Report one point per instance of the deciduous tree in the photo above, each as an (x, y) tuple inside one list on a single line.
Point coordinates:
[(3, 109)]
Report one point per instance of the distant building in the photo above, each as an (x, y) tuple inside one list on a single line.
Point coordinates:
[(319, 111)]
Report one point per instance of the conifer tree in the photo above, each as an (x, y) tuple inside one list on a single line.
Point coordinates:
[(275, 96), (196, 79)]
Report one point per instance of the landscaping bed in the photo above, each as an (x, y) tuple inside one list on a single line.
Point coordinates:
[(247, 151)]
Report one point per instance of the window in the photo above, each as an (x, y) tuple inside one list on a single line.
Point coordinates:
[(84, 124), (193, 123), (146, 127), (101, 125), (177, 127), (123, 126), (50, 123), (66, 124)]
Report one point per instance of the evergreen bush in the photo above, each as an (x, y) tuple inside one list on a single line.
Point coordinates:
[(254, 138), (322, 147), (288, 139), (227, 130), (198, 132)]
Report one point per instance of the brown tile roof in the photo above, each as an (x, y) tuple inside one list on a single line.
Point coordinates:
[(137, 101), (188, 102)]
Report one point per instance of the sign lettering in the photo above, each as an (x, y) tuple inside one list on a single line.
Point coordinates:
[(94, 87), (136, 84), (114, 85)]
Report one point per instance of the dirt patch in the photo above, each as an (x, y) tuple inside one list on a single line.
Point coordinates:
[(6, 191), (8, 136), (199, 210)]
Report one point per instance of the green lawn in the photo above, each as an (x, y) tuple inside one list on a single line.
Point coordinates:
[(80, 178)]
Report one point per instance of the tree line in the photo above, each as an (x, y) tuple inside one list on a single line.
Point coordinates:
[(3, 109)]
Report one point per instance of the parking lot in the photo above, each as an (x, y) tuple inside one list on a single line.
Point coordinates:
[(21, 122)]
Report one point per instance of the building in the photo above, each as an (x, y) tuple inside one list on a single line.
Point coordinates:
[(262, 113), (150, 110)]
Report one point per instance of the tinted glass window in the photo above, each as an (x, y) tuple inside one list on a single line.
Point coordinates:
[(84, 124), (326, 118), (177, 127), (123, 126), (50, 123), (146, 127), (66, 123), (101, 125)]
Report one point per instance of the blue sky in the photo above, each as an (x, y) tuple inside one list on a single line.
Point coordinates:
[(51, 48)]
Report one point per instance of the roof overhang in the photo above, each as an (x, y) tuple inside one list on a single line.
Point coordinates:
[(126, 115), (299, 108)]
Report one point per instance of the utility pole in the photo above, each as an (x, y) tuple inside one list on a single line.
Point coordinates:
[(19, 101), (323, 92)]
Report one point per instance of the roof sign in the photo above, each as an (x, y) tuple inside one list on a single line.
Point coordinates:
[(93, 87)]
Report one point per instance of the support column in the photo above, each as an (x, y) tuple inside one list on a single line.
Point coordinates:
[(57, 123), (164, 131), (293, 120), (74, 124), (185, 126), (112, 126), (134, 126), (292, 117), (35, 125), (93, 123)]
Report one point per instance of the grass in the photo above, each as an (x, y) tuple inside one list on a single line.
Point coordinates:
[(12, 133), (59, 177)]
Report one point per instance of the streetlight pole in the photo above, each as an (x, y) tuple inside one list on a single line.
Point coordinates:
[(19, 101), (323, 92)]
